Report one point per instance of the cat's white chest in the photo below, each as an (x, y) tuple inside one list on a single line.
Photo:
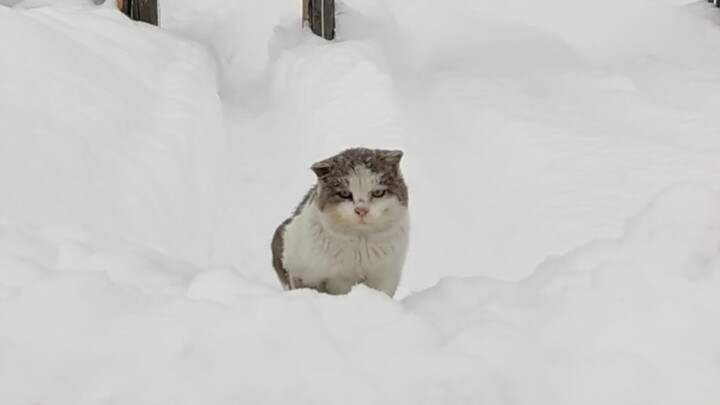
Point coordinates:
[(315, 257)]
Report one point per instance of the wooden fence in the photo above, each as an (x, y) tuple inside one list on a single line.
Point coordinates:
[(320, 16), (140, 10)]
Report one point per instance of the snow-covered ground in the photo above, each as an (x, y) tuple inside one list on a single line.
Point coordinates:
[(564, 164)]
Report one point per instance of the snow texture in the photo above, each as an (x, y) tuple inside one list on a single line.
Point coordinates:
[(563, 164)]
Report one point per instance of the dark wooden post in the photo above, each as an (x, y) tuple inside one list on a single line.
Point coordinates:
[(306, 12), (140, 10), (320, 15)]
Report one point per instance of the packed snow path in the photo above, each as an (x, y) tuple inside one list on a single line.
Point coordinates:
[(570, 146)]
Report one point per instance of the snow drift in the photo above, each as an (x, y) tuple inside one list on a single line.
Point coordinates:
[(136, 206), (89, 319), (110, 125)]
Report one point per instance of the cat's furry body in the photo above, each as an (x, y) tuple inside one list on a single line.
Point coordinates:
[(352, 227)]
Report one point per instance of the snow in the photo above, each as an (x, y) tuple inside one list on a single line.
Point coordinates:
[(562, 158), (99, 131)]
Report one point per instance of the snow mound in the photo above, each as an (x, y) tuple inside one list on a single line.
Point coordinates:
[(529, 127), (117, 158), (627, 321), (95, 319), (108, 124)]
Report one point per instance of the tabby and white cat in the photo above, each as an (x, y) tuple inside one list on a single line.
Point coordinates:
[(352, 227)]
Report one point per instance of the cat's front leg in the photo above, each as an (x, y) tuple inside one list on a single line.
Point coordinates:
[(386, 282), (297, 283), (339, 285)]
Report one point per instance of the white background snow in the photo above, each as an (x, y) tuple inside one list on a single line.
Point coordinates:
[(564, 164)]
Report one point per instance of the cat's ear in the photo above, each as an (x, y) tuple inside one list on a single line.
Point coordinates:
[(391, 156), (321, 168)]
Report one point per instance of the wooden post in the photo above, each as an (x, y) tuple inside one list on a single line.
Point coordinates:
[(320, 15), (140, 10), (306, 12)]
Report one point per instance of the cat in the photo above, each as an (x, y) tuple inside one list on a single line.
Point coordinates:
[(352, 226)]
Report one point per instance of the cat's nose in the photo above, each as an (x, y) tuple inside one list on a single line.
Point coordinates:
[(361, 211)]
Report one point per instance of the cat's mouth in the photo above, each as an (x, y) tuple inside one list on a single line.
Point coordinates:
[(364, 225)]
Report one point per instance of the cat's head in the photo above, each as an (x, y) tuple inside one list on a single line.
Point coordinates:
[(361, 190)]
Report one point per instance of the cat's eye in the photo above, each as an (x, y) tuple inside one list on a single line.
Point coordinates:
[(378, 193), (344, 194)]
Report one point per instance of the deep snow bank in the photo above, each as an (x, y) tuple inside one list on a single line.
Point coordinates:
[(533, 160), (108, 124), (626, 321), (89, 318), (530, 127)]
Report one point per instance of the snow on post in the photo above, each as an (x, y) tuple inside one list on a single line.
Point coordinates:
[(140, 10), (320, 15)]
